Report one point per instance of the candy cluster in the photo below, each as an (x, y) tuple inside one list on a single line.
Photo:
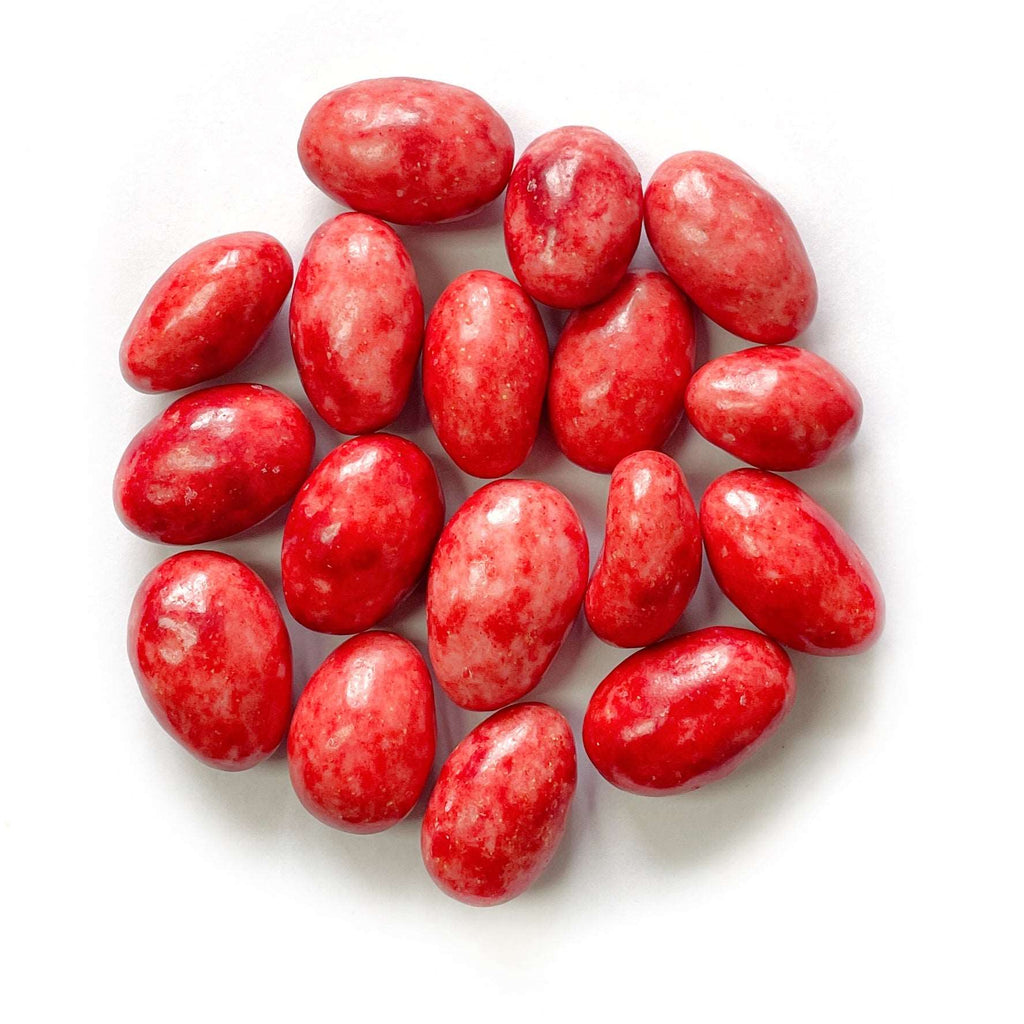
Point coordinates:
[(507, 574)]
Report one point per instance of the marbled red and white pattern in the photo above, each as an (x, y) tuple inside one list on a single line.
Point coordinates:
[(212, 464), (211, 654), (620, 370), (356, 323), (650, 564), (406, 149), (688, 710), (779, 408), (498, 811), (206, 312), (731, 247), (788, 565), (361, 742), (573, 213), (485, 371), (505, 584), (360, 533)]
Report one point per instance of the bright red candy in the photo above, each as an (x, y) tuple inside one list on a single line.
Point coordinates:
[(505, 584), (485, 371), (498, 812), (361, 743), (356, 323), (777, 408), (788, 565), (406, 149), (214, 463), (620, 370), (650, 564), (212, 658), (573, 213), (206, 312), (688, 710), (731, 247), (360, 533)]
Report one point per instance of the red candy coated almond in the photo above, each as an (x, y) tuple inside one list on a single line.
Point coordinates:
[(206, 312), (686, 711), (361, 742), (788, 565), (650, 564), (212, 657), (498, 811)]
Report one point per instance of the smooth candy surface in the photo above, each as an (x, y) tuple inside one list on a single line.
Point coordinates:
[(573, 213), (650, 564), (778, 408), (688, 710), (505, 584), (788, 565), (731, 247), (408, 150), (212, 464), (485, 371), (498, 812), (206, 312), (356, 323), (361, 742), (211, 655), (620, 370), (360, 533)]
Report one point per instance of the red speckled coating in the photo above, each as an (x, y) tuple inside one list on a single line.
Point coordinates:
[(497, 814), (788, 565), (619, 373), (505, 584), (650, 564), (207, 312), (573, 212), (485, 371), (731, 247), (406, 149), (212, 657), (688, 710), (356, 323), (777, 408), (361, 743), (360, 533), (214, 463)]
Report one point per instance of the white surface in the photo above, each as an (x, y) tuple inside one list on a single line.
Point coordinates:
[(864, 866)]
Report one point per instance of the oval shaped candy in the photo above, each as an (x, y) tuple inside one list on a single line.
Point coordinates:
[(407, 149), (206, 312), (212, 657), (573, 212), (361, 742), (504, 587), (777, 408), (360, 533), (498, 812), (620, 370), (788, 565), (650, 564), (356, 322), (213, 463), (688, 710), (731, 247), (485, 371)]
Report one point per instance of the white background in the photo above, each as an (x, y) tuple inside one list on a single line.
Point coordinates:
[(864, 866)]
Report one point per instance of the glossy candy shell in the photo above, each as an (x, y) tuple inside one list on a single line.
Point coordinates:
[(498, 812), (212, 657), (215, 462), (788, 565), (361, 742)]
